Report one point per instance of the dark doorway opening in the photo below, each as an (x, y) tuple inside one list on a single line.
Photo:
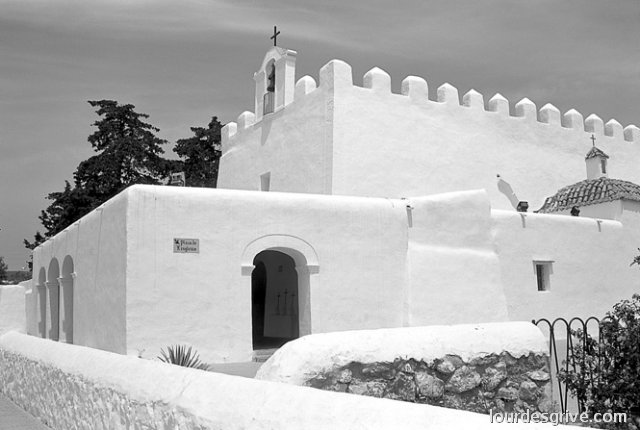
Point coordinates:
[(274, 300)]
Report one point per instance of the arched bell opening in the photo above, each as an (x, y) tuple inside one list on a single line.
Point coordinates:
[(269, 101)]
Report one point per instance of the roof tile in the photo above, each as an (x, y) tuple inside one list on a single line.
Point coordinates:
[(591, 192)]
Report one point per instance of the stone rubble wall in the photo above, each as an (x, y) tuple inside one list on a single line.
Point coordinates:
[(495, 382), (499, 366), (72, 387)]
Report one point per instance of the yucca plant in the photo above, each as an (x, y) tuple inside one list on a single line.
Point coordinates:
[(182, 356)]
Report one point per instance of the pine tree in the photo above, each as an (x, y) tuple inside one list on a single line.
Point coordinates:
[(128, 153), (3, 269), (200, 155)]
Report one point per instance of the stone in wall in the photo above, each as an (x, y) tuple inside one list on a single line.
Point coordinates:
[(499, 382)]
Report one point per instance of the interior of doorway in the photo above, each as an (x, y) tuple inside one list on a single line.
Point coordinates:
[(274, 300)]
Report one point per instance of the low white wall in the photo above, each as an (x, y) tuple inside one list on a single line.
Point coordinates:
[(309, 356), (69, 386), (479, 368), (12, 308)]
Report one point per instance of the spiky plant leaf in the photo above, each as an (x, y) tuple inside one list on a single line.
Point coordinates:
[(180, 355)]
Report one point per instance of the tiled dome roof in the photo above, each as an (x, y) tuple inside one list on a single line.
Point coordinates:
[(590, 192)]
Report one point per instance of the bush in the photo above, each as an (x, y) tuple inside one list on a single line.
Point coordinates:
[(604, 373), (182, 356)]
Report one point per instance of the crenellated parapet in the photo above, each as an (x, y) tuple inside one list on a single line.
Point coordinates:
[(246, 120), (336, 76)]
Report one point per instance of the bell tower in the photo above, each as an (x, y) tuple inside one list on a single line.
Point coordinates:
[(275, 81), (596, 161)]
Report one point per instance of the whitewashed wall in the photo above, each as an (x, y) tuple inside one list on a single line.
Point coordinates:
[(453, 265), (98, 246), (414, 146), (364, 140), (355, 249), (607, 210), (293, 145), (12, 309), (591, 263), (362, 263)]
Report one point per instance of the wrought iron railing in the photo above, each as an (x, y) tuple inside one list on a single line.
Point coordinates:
[(574, 330)]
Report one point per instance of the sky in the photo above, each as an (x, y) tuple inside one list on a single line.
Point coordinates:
[(184, 62)]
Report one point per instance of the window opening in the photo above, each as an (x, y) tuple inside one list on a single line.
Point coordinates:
[(265, 181), (543, 275)]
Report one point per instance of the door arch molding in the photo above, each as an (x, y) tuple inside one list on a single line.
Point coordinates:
[(305, 256)]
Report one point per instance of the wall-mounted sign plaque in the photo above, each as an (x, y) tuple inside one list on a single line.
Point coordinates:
[(186, 245)]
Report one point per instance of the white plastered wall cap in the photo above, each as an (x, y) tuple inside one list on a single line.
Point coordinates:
[(498, 103), (525, 108), (416, 88), (377, 80), (246, 119), (613, 128), (336, 74), (549, 114), (573, 119), (594, 124), (228, 131), (448, 94), (274, 53), (632, 133), (473, 99), (304, 86), (310, 355)]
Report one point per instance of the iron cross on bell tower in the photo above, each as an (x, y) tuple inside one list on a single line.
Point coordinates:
[(275, 35)]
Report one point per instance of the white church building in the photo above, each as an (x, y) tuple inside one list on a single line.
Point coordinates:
[(345, 207)]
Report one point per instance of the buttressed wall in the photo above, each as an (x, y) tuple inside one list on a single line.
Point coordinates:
[(363, 140), (79, 281)]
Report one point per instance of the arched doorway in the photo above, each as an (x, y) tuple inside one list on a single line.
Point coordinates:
[(66, 300), (274, 300)]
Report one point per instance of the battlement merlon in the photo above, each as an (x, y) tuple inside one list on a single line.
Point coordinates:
[(337, 75)]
